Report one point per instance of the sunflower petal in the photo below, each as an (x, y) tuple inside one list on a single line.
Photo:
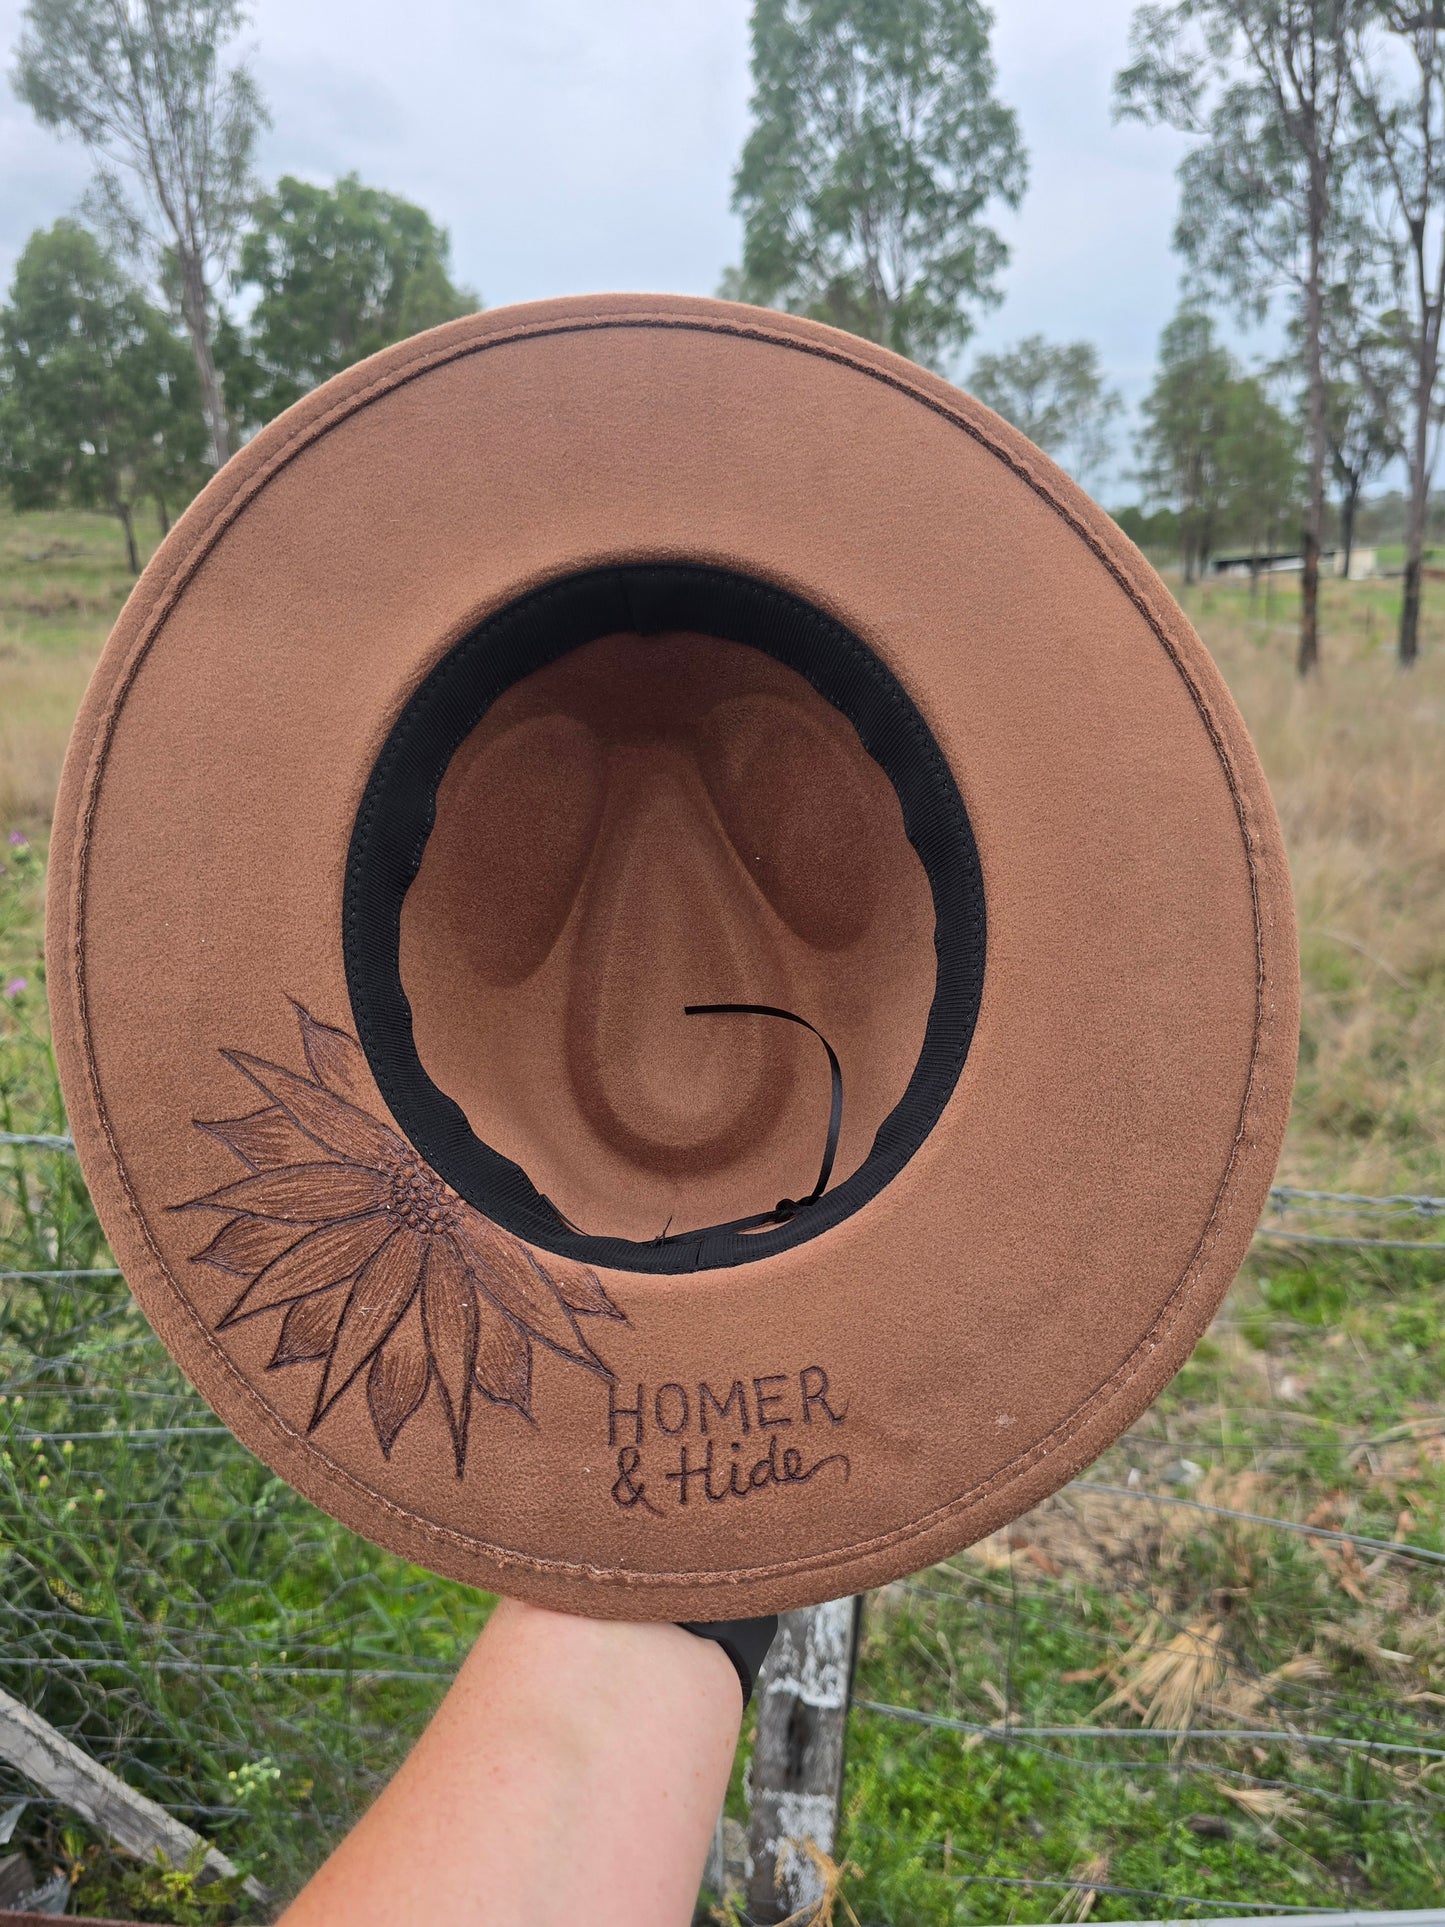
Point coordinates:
[(504, 1270), (337, 1060), (396, 1383), (580, 1290), (503, 1365), (334, 1124), (449, 1311), (300, 1194), (265, 1140), (247, 1245), (309, 1327), (383, 1290), (327, 1257)]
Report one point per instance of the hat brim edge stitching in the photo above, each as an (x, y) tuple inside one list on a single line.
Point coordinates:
[(203, 539)]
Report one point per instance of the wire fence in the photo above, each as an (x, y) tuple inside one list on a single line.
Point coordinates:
[(1209, 1679)]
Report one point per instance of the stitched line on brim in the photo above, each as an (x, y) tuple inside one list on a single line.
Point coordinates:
[(1090, 1409)]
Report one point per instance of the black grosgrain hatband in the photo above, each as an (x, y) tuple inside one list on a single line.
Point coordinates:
[(745, 1641)]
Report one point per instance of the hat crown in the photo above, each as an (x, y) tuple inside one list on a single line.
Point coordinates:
[(645, 824)]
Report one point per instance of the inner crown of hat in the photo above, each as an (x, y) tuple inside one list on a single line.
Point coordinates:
[(638, 788), (646, 823)]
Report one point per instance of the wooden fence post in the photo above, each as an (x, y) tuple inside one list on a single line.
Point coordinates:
[(135, 1823), (796, 1778)]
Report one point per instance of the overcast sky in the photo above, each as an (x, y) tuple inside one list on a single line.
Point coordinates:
[(571, 146)]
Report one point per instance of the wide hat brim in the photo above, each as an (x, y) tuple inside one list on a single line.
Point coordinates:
[(917, 1374)]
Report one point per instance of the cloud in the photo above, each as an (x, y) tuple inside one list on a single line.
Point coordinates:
[(571, 147)]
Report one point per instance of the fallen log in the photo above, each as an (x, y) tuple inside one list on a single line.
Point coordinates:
[(33, 1747)]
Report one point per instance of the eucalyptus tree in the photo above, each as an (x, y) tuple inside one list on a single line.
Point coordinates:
[(147, 86), (1263, 87), (1368, 384), (1397, 70), (877, 151), (98, 398), (1259, 469), (1056, 394), (1216, 448), (1186, 423), (333, 274)]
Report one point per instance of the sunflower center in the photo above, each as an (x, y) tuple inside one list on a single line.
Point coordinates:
[(418, 1196)]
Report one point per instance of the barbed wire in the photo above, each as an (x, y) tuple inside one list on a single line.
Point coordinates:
[(1397, 1548), (1178, 1764), (132, 1435), (1400, 1548), (1083, 1887), (1400, 1203), (245, 1669), (1285, 1200), (84, 1271), (1282, 1198), (1353, 1244), (1341, 1704), (1002, 1730)]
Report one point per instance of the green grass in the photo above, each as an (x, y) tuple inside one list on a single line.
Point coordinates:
[(1051, 1635), (196, 1625), (167, 1602), (63, 579), (1049, 1622)]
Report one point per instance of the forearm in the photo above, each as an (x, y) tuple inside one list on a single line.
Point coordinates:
[(574, 1771)]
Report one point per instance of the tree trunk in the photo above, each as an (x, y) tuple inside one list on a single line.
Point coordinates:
[(1308, 658), (196, 306), (1419, 510), (127, 522), (163, 515), (796, 1776), (1349, 502), (1271, 546), (1409, 644)]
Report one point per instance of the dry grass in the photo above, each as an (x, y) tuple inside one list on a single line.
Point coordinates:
[(62, 583), (38, 699), (1263, 1803), (1079, 1905), (1109, 1540), (1163, 1682), (1356, 761)]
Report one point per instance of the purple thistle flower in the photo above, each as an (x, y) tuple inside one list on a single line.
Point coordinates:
[(19, 840), (15, 986)]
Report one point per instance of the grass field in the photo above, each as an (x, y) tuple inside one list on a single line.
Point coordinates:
[(194, 1623)]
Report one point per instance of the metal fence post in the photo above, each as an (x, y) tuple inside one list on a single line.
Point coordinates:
[(796, 1777)]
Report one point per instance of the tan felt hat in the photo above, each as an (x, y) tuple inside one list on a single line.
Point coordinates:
[(673, 970)]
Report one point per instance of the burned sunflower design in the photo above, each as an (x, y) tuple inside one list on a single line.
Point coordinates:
[(375, 1267)]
